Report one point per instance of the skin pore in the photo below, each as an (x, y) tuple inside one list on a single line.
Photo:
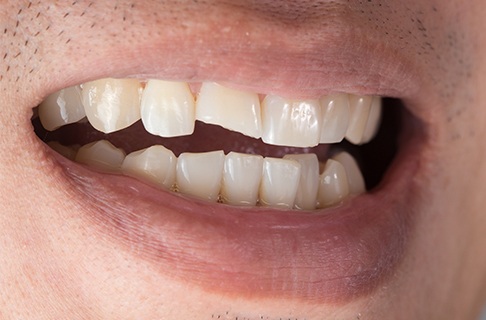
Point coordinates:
[(57, 261)]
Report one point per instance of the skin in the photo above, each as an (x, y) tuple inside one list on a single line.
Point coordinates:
[(54, 264)]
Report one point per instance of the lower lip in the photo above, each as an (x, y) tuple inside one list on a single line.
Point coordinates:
[(325, 257)]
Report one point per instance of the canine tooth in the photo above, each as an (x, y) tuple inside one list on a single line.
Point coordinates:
[(353, 172), (232, 109), (101, 155), (360, 110), (333, 184), (291, 122), (200, 174), (373, 120), (168, 108), (112, 104), (61, 108), (241, 178), (309, 180), (280, 182), (155, 164), (68, 152), (335, 117)]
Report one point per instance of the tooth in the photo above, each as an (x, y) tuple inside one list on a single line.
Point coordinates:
[(373, 120), (280, 182), (168, 108), (291, 122), (360, 109), (61, 108), (309, 180), (335, 117), (232, 109), (333, 184), (200, 174), (112, 104), (101, 155), (68, 152), (156, 165), (241, 178), (353, 172)]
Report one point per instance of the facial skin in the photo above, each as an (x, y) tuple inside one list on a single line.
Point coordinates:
[(57, 262)]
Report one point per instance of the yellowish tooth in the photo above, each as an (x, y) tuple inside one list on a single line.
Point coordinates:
[(360, 110), (374, 120), (155, 164), (61, 108), (168, 108), (112, 104), (306, 197), (353, 172), (279, 183), (241, 178), (232, 109), (333, 184), (291, 123), (68, 152), (200, 174), (335, 117), (101, 155)]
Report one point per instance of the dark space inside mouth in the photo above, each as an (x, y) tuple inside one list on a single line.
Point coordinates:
[(374, 157)]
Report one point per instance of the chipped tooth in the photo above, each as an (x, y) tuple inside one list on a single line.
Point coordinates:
[(335, 117), (155, 164), (360, 110), (333, 184), (61, 108), (112, 104), (353, 173), (291, 122), (241, 178), (232, 109), (167, 108), (309, 180), (101, 155), (374, 119), (279, 183), (200, 174), (66, 151)]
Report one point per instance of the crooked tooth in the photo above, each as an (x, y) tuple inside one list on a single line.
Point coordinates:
[(241, 178), (333, 184), (200, 174), (101, 155), (335, 117), (291, 122), (360, 110), (112, 104), (232, 109), (280, 182), (309, 180), (168, 108), (155, 164), (353, 173), (374, 119), (61, 108)]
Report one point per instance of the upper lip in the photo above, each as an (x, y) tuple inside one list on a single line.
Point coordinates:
[(254, 252)]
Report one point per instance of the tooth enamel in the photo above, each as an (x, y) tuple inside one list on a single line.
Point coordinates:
[(167, 108), (373, 120), (232, 109), (291, 122), (200, 174), (102, 155), (333, 184), (360, 107), (61, 108), (335, 118), (112, 104), (241, 178), (156, 165), (279, 183), (353, 173), (309, 180), (68, 152)]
